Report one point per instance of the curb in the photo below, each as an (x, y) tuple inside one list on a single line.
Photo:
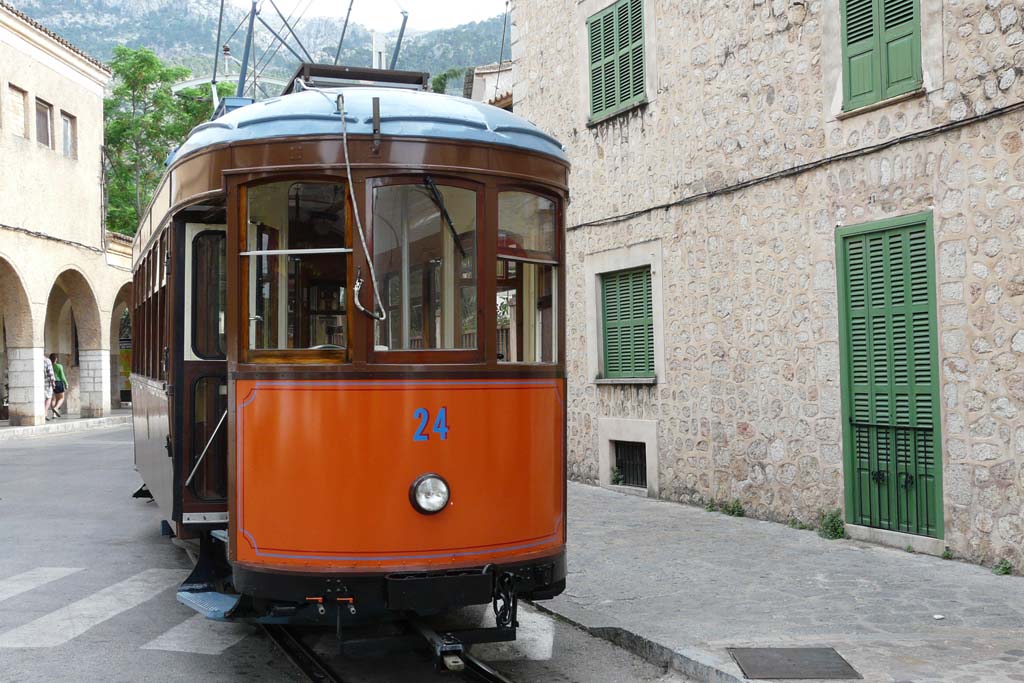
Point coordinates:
[(693, 664), (15, 433)]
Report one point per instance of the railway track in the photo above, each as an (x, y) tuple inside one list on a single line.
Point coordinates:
[(313, 666)]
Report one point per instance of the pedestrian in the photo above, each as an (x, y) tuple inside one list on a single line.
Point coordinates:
[(48, 382), (60, 385)]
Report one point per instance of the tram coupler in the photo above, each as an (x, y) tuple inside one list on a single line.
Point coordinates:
[(447, 650)]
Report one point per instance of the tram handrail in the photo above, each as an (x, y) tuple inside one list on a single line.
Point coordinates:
[(199, 462)]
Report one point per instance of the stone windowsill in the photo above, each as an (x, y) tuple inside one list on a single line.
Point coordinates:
[(605, 118), (643, 381), (868, 108)]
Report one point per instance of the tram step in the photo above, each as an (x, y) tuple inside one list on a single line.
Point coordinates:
[(211, 604)]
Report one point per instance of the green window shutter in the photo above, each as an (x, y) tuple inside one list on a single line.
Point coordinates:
[(890, 377), (900, 46), (861, 61), (628, 324), (603, 86), (617, 62)]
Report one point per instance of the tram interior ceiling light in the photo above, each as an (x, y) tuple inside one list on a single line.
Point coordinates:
[(429, 494)]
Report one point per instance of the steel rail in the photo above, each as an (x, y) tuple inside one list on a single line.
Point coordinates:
[(479, 671), (300, 654)]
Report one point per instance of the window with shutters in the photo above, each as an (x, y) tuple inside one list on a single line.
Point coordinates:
[(893, 462), (881, 50), (617, 67), (628, 324)]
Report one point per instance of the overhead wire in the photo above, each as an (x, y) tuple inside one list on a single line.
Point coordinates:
[(501, 55)]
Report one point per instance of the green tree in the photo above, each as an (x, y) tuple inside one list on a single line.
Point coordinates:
[(144, 121), (440, 82)]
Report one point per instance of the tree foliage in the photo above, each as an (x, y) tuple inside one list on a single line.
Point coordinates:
[(439, 83), (144, 121)]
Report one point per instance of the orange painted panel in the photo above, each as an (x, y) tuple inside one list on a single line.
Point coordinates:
[(324, 468)]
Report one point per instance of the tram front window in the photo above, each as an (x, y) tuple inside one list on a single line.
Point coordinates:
[(425, 266), (527, 279), (298, 261)]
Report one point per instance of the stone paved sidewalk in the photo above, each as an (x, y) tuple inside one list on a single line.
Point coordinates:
[(684, 584), (69, 423)]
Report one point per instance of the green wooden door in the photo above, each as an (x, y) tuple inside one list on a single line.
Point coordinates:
[(890, 377)]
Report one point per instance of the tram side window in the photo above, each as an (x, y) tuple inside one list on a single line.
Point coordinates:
[(426, 267), (527, 279), (209, 294), (298, 266)]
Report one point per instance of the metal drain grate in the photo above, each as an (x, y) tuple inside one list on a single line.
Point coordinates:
[(793, 663)]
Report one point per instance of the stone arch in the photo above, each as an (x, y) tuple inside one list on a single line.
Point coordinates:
[(73, 331), (120, 361), (18, 354)]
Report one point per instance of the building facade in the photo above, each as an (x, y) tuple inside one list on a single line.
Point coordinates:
[(64, 281), (797, 237)]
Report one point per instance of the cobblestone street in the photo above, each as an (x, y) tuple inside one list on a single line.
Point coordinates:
[(88, 593)]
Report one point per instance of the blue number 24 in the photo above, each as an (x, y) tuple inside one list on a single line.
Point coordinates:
[(440, 424)]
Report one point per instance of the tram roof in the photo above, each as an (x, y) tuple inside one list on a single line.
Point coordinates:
[(404, 113)]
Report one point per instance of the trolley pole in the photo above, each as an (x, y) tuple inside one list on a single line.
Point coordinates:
[(240, 92)]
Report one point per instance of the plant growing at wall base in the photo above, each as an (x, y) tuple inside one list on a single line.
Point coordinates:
[(831, 525), (1002, 568), (795, 523), (617, 477), (711, 506), (734, 508), (947, 554)]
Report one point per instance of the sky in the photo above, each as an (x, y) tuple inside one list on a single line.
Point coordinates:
[(385, 15)]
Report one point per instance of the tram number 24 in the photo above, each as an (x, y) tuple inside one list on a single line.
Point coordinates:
[(440, 425)]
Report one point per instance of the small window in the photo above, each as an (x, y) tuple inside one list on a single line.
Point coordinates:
[(617, 67), (527, 279), (209, 294), (209, 426), (16, 111), (298, 266), (44, 124), (69, 128), (424, 255), (628, 324), (630, 464), (881, 50)]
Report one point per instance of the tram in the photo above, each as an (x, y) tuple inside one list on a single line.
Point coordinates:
[(349, 377)]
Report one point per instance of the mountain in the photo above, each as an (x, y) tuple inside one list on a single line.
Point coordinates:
[(185, 32)]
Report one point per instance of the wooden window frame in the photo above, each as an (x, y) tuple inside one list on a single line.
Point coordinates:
[(882, 90), (192, 305), (66, 118), (604, 61), (48, 108), (239, 216), (558, 263), (429, 356)]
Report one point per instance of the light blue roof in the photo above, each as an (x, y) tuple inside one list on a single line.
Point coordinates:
[(406, 113)]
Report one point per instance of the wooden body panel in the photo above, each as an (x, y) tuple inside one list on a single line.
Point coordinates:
[(322, 472), (151, 427)]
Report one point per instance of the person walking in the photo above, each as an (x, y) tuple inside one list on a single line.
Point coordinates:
[(48, 382), (60, 385)]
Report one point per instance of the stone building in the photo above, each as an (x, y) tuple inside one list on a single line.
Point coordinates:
[(64, 281), (798, 230)]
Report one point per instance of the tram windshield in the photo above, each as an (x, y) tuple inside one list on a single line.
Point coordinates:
[(527, 279), (298, 259), (424, 255)]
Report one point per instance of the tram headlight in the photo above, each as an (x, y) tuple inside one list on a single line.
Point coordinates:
[(429, 494)]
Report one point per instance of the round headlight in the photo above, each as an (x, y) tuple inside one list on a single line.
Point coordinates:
[(429, 494)]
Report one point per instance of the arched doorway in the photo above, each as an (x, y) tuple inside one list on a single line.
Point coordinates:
[(18, 389), (73, 332), (121, 347)]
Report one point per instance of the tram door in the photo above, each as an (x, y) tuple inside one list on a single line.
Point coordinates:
[(204, 388)]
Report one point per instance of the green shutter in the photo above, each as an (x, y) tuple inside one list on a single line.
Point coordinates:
[(628, 324), (900, 46), (861, 62), (890, 377), (617, 67)]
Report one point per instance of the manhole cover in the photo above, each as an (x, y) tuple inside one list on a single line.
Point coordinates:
[(795, 663)]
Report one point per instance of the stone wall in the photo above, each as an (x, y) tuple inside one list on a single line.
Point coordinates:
[(749, 407)]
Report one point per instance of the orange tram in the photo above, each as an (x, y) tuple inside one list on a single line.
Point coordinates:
[(349, 378)]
